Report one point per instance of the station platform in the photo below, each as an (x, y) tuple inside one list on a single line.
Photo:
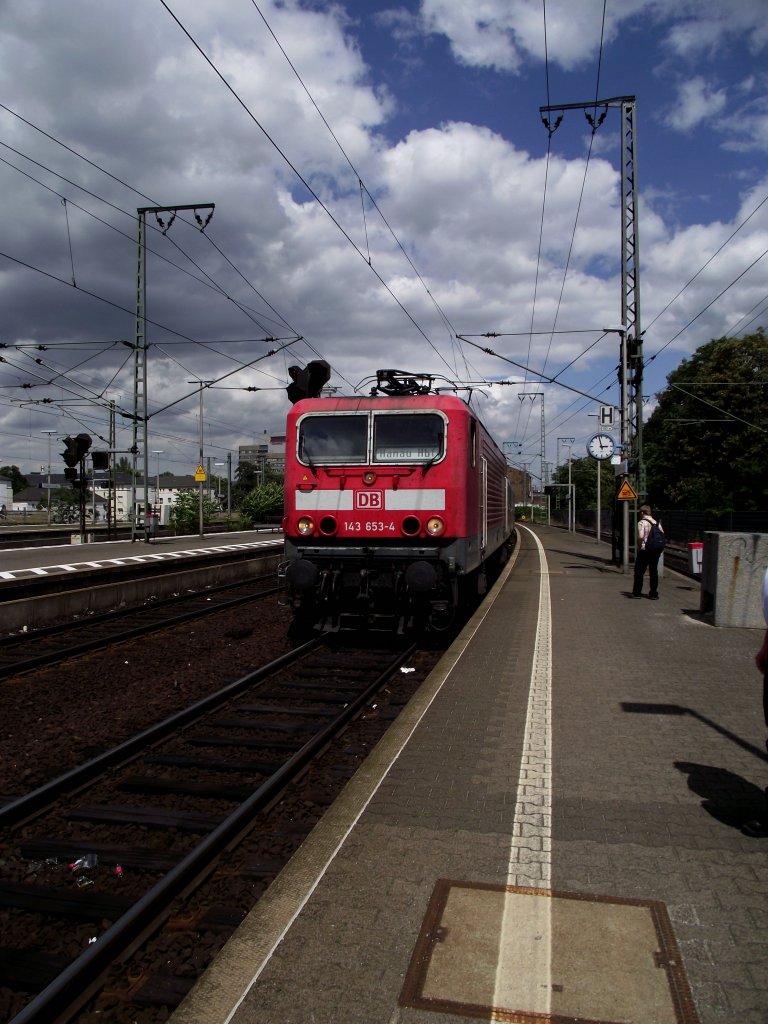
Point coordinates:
[(68, 559), (40, 585), (549, 832)]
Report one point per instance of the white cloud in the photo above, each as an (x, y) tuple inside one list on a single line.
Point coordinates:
[(498, 34), (465, 201), (697, 101), (707, 28)]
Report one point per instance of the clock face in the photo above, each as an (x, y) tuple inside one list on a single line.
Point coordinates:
[(601, 446)]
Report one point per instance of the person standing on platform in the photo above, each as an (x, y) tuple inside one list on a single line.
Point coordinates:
[(759, 827), (650, 544)]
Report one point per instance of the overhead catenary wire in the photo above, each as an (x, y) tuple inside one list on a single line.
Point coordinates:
[(119, 181), (709, 305), (254, 315), (595, 123), (707, 262), (205, 279), (312, 192), (363, 187), (552, 371)]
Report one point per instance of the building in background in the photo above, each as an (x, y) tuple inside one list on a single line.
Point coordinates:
[(268, 452), (161, 499), (6, 493)]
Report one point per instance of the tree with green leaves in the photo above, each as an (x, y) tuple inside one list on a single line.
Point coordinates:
[(65, 504), (249, 476), (13, 473), (185, 511), (584, 480), (706, 444), (261, 504)]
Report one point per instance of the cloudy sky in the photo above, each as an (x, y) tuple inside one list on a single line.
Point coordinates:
[(384, 186)]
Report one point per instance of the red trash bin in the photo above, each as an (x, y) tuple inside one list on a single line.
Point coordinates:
[(695, 555)]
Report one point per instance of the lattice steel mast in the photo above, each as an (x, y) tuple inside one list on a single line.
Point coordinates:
[(632, 362)]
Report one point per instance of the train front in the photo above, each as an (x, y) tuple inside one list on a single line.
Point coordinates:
[(369, 540)]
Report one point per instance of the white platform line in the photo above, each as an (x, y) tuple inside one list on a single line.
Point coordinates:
[(292, 889), (530, 855), (532, 829)]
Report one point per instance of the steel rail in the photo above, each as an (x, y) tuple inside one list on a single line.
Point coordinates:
[(96, 643), (12, 639), (33, 802), (64, 995)]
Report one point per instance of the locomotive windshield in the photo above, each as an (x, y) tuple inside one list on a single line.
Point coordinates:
[(407, 437), (333, 439), (396, 437)]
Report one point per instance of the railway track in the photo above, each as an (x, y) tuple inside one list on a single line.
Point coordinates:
[(26, 651), (97, 860)]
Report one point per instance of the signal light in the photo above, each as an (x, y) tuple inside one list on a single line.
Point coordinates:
[(77, 448), (100, 460), (308, 381)]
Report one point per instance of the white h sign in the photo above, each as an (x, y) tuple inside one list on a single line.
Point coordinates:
[(608, 417)]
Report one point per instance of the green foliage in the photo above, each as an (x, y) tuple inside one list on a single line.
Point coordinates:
[(706, 443), (18, 482), (65, 504), (262, 503), (185, 511), (584, 479), (530, 513), (249, 476)]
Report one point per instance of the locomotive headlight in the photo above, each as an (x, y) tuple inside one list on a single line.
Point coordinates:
[(305, 525), (369, 477), (435, 526)]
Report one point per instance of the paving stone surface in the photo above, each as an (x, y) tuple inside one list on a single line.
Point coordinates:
[(613, 749)]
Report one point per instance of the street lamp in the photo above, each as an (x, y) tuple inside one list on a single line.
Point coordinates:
[(219, 465), (568, 442), (49, 432), (158, 452)]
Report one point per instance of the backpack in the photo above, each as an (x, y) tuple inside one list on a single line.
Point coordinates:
[(655, 541)]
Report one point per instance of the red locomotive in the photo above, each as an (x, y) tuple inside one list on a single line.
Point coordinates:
[(395, 505)]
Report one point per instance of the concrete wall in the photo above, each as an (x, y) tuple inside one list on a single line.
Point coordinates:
[(733, 569), (39, 611)]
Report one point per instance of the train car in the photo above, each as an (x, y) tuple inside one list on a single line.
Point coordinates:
[(395, 505)]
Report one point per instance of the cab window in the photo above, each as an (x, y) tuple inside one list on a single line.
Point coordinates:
[(325, 440), (408, 437)]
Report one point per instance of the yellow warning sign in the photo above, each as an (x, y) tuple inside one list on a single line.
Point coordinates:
[(626, 493), (200, 474)]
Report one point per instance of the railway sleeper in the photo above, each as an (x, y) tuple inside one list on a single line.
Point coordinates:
[(186, 787), (60, 902), (154, 817), (30, 970), (139, 858)]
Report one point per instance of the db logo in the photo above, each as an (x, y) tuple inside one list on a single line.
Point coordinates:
[(369, 499)]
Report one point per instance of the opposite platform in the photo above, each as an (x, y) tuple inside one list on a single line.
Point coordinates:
[(69, 559), (550, 829)]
